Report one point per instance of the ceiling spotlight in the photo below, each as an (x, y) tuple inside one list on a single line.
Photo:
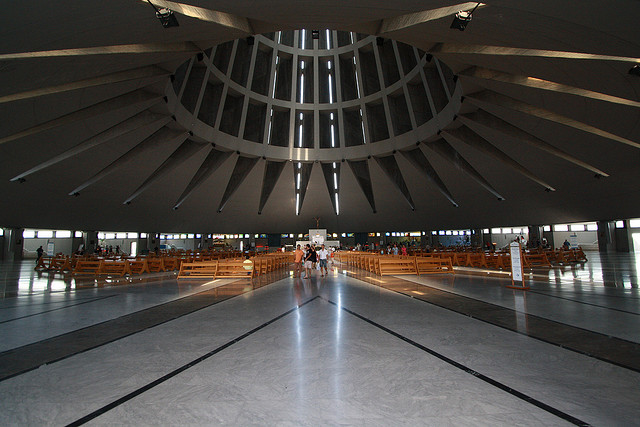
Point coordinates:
[(635, 70), (462, 18), (166, 16)]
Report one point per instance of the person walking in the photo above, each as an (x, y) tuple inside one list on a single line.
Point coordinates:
[(322, 255), (39, 251), (308, 262)]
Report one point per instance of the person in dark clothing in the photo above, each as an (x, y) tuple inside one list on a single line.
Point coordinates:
[(39, 251)]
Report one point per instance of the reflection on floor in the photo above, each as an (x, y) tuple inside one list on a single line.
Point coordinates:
[(350, 348)]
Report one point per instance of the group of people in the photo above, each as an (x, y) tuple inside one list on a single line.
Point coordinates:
[(395, 250), (309, 257)]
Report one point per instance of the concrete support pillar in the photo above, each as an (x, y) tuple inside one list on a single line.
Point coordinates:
[(536, 233), (153, 242), (90, 241), (622, 237), (14, 244), (606, 236), (548, 235), (477, 240), (76, 242)]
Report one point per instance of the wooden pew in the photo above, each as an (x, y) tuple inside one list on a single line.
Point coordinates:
[(233, 268), (198, 270), (396, 265), (533, 259), (155, 265), (433, 264), (114, 268), (87, 268), (139, 266)]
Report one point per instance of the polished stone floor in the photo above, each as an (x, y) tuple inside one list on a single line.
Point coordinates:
[(348, 349)]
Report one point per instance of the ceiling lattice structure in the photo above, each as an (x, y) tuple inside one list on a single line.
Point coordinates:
[(239, 120)]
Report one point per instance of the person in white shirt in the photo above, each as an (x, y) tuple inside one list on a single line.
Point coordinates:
[(322, 254)]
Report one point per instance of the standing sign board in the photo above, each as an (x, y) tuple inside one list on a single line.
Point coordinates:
[(517, 269), (50, 248)]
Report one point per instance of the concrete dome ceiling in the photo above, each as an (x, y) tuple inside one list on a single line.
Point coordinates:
[(238, 119)]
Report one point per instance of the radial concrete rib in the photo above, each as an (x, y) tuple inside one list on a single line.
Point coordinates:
[(390, 167), (213, 161), (305, 175), (140, 98), (122, 76), (449, 153), (221, 18), (470, 49), (480, 73), (471, 138), (486, 119), (132, 124), (328, 170), (182, 153), (416, 18), (417, 158), (360, 170), (243, 166), (272, 172), (494, 98), (160, 137), (131, 49)]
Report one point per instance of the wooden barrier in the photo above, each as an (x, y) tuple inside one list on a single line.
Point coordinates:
[(155, 265)]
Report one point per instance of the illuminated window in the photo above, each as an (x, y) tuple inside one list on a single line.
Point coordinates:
[(45, 234), (635, 223), (199, 236), (109, 236), (619, 224), (546, 228), (121, 235), (78, 234), (441, 233), (485, 231), (561, 227), (577, 227), (63, 234), (496, 231), (29, 234), (448, 233), (143, 235), (594, 227), (191, 236)]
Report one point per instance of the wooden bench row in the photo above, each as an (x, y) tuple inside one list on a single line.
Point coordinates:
[(234, 268), (396, 264)]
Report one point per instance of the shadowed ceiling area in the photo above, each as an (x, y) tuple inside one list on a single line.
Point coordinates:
[(245, 119)]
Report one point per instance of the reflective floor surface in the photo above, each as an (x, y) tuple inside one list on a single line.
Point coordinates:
[(347, 349)]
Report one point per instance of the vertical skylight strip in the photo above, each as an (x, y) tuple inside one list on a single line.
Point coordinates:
[(275, 77), (333, 137), (298, 181), (300, 135), (270, 123), (330, 89), (328, 40), (364, 135), (302, 88), (337, 205), (297, 203), (335, 181), (355, 66), (304, 36)]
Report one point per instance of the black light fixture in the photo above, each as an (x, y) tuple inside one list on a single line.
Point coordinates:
[(462, 18), (380, 41), (315, 34), (166, 16), (251, 40), (635, 70)]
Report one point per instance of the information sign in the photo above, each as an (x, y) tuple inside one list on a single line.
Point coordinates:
[(517, 271)]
